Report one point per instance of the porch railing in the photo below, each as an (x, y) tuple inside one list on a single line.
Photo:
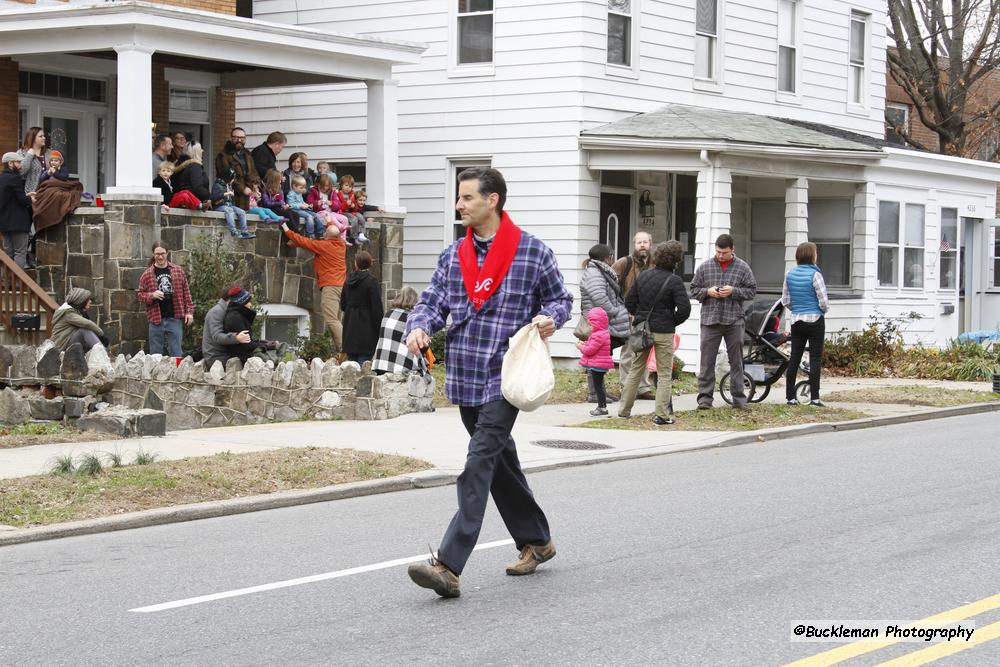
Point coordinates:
[(20, 295)]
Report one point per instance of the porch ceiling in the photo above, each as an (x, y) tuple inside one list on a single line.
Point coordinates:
[(254, 52), (693, 128)]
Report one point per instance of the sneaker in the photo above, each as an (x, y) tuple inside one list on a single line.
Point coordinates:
[(235, 234), (704, 406), (531, 557), (646, 396), (599, 412), (622, 415), (362, 238), (660, 421), (817, 403), (791, 401), (435, 575), (248, 235)]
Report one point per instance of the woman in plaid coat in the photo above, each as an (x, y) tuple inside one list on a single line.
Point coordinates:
[(391, 355)]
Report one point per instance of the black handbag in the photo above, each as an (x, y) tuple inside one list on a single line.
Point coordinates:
[(26, 321), (641, 337)]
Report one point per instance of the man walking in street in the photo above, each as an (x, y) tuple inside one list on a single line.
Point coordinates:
[(330, 267), (722, 283), (492, 282), (628, 269), (163, 287)]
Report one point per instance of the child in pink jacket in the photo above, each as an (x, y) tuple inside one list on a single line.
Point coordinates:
[(596, 358)]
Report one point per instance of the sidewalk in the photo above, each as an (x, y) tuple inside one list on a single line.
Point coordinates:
[(440, 439)]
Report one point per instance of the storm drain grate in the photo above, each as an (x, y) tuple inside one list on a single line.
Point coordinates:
[(570, 444)]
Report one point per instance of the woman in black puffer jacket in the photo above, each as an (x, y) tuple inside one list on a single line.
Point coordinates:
[(658, 296)]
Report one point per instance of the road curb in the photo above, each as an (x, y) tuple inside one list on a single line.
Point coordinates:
[(434, 478)]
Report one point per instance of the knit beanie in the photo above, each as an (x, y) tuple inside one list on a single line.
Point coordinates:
[(239, 295), (77, 297), (57, 154)]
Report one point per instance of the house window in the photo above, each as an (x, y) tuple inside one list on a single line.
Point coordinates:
[(706, 38), (895, 233), (358, 170), (896, 116), (190, 100), (787, 45), (948, 250), (65, 87), (994, 244), (858, 58), (767, 240), (458, 229), (475, 31), (284, 322), (620, 32), (830, 223)]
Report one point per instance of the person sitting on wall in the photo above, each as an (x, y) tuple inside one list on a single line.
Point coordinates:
[(70, 323), (217, 344), (239, 319), (162, 145), (56, 168), (190, 177)]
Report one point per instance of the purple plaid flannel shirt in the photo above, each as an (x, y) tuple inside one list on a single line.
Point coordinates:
[(478, 340)]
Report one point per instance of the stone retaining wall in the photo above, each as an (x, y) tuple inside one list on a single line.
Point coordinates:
[(193, 397)]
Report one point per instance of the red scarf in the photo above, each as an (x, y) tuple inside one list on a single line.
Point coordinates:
[(482, 283)]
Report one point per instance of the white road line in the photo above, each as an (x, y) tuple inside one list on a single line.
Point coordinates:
[(300, 581)]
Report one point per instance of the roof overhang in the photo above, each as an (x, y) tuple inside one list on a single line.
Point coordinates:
[(247, 43), (619, 143)]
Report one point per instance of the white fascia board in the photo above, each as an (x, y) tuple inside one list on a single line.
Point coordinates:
[(715, 146), (186, 27), (943, 165)]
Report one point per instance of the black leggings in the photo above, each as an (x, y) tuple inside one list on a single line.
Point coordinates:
[(812, 332), (598, 379)]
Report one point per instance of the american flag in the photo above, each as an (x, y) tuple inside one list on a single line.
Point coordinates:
[(945, 244)]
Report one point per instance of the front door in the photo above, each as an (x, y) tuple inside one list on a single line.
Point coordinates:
[(971, 263), (616, 223)]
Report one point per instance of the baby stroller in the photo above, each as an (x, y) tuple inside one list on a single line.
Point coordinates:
[(764, 363)]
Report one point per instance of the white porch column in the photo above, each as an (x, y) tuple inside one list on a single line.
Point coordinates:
[(715, 194), (133, 145), (796, 218), (382, 180), (864, 253)]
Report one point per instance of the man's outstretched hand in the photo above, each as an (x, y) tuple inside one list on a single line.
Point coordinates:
[(417, 341)]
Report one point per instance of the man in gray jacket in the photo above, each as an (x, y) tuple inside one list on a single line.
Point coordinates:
[(215, 342)]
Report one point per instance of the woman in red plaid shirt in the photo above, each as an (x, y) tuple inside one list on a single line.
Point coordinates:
[(163, 287)]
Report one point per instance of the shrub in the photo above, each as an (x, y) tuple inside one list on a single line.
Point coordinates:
[(317, 345), (678, 368), (210, 267), (90, 464), (63, 465)]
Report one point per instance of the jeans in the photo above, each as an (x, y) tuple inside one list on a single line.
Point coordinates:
[(310, 222), (357, 222), (171, 330), (233, 213), (265, 214), (86, 338), (360, 358), (813, 332), (17, 247), (491, 468)]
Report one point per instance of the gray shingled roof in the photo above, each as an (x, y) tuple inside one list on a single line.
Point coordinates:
[(679, 122)]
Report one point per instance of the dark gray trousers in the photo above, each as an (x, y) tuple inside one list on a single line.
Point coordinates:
[(711, 336), (491, 467)]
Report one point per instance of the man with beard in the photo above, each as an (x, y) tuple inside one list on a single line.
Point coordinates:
[(628, 269), (235, 156)]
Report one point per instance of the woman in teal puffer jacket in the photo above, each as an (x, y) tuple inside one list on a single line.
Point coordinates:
[(804, 293)]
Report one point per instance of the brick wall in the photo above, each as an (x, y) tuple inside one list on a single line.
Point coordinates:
[(894, 94), (161, 99), (218, 6), (223, 118), (8, 105)]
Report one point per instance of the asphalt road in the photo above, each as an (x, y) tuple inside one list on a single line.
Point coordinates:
[(704, 558)]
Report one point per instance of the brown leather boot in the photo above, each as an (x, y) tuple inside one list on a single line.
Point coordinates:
[(531, 557), (435, 575)]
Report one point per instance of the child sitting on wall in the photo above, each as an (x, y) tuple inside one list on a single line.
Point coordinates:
[(223, 199), (349, 207), (55, 169), (265, 214), (324, 201), (308, 219)]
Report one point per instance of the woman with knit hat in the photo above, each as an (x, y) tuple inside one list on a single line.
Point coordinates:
[(70, 323), (240, 317)]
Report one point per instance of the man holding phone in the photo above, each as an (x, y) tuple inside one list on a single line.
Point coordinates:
[(722, 283)]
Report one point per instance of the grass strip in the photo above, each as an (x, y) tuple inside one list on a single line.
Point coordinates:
[(46, 433), (727, 419), (46, 499), (918, 395)]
